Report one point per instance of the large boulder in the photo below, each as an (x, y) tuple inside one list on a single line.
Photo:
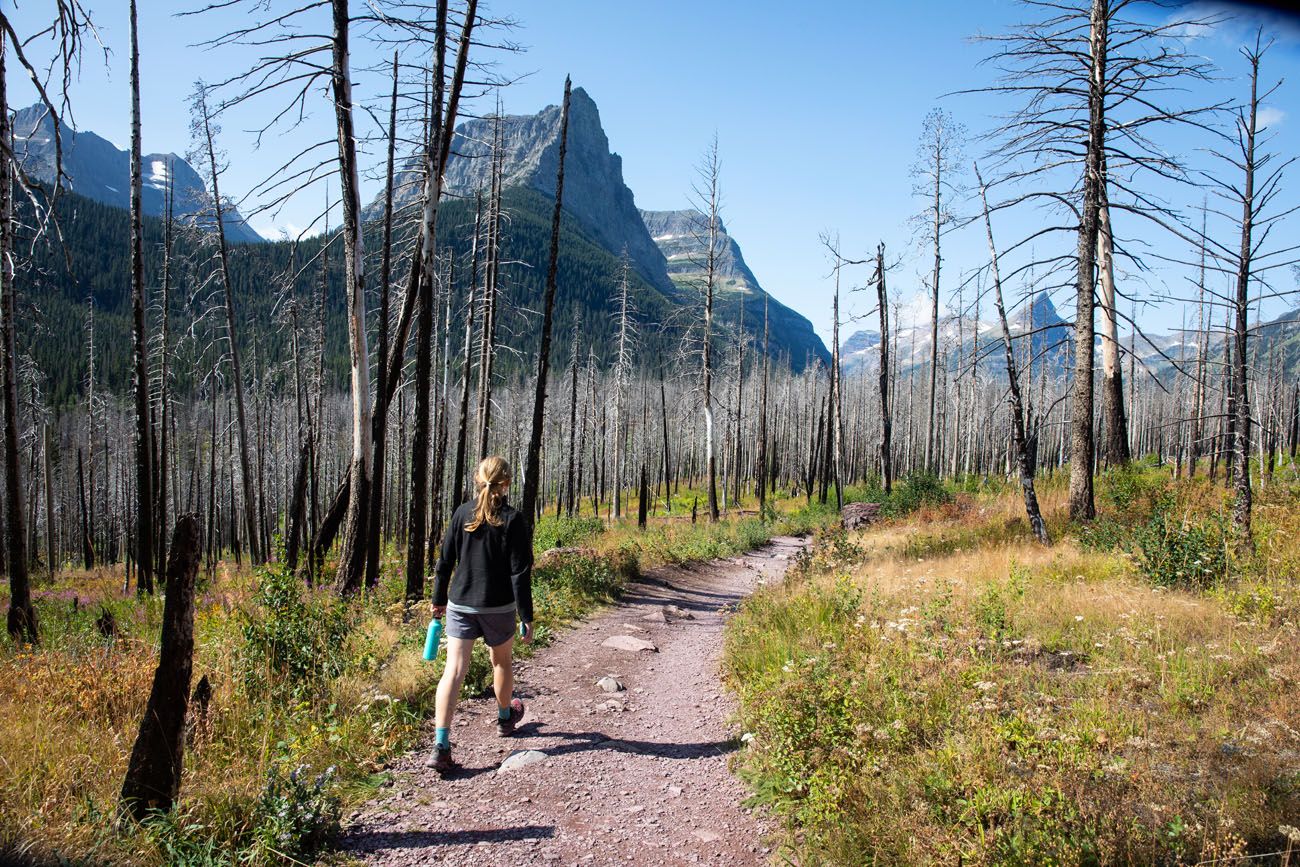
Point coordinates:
[(856, 515)]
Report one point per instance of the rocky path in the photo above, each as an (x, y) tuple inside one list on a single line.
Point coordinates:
[(622, 757)]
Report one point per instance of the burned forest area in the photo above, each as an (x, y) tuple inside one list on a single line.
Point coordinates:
[(973, 538)]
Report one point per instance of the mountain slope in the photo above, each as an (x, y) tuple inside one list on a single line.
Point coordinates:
[(680, 237), (98, 170)]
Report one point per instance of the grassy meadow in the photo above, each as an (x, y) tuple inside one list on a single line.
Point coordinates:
[(311, 696), (938, 688)]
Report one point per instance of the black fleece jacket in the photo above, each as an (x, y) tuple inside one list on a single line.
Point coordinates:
[(489, 567)]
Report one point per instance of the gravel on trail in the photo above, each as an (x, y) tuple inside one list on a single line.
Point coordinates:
[(596, 775)]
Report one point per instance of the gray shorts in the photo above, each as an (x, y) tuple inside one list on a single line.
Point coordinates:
[(494, 629)]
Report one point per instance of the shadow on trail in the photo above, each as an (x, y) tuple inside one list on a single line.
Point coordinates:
[(683, 597), (374, 841), (578, 742)]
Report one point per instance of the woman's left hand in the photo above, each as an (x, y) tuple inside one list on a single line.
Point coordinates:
[(526, 633)]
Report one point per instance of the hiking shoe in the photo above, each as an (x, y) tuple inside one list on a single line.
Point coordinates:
[(506, 727), (443, 763)]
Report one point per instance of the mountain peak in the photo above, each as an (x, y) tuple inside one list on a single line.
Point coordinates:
[(594, 190), (97, 169)]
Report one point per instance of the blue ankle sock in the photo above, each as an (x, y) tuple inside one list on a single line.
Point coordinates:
[(442, 738), (503, 713)]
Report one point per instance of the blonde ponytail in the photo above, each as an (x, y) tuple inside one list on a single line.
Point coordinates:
[(493, 480)]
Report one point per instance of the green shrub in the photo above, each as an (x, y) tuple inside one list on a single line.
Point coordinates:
[(298, 816), (294, 640), (1174, 553), (564, 532), (906, 495), (1169, 551)]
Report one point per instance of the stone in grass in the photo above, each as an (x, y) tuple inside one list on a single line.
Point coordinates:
[(610, 684), (521, 759), (630, 643)]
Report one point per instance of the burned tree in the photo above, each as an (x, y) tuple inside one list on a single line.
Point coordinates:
[(936, 167), (1019, 442), (153, 775), (533, 464)]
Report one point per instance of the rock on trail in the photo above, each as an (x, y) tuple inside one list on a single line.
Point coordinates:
[(593, 778)]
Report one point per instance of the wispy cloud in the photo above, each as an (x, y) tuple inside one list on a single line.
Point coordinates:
[(1270, 116), (1232, 23)]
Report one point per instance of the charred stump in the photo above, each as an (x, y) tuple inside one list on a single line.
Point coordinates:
[(153, 776)]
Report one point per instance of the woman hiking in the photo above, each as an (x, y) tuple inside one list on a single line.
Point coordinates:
[(483, 579)]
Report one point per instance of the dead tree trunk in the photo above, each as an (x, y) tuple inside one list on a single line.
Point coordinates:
[(710, 179), (1114, 418), (462, 437), (232, 335), (385, 280), (532, 473), (760, 466), (1024, 457), (87, 543), (153, 774), (143, 435), (1082, 506), (1248, 128), (886, 421), (418, 516), (570, 481), (352, 555)]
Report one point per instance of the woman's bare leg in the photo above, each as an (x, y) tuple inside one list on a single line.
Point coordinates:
[(453, 675), (503, 672)]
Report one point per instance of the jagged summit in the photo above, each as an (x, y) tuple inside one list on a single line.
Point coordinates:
[(98, 170), (594, 190), (599, 200)]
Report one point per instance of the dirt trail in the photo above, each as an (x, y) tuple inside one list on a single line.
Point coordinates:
[(637, 776)]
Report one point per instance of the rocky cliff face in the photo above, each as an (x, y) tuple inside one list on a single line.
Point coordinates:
[(594, 191), (98, 170), (682, 237), (658, 243)]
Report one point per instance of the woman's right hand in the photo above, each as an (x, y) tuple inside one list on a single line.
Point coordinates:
[(439, 610), (526, 632)]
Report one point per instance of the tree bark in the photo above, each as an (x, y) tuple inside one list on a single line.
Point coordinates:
[(418, 516), (373, 541), (1024, 458), (1241, 506), (886, 419), (232, 337), (352, 554)]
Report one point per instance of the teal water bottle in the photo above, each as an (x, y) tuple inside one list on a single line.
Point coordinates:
[(432, 639)]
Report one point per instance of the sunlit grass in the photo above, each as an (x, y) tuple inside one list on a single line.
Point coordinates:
[(939, 688), (70, 708)]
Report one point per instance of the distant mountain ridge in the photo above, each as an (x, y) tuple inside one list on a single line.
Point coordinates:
[(96, 169), (1049, 338)]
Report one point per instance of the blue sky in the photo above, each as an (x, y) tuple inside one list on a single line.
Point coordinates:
[(816, 107)]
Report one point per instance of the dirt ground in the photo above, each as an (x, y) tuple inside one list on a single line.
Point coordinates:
[(635, 775)]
